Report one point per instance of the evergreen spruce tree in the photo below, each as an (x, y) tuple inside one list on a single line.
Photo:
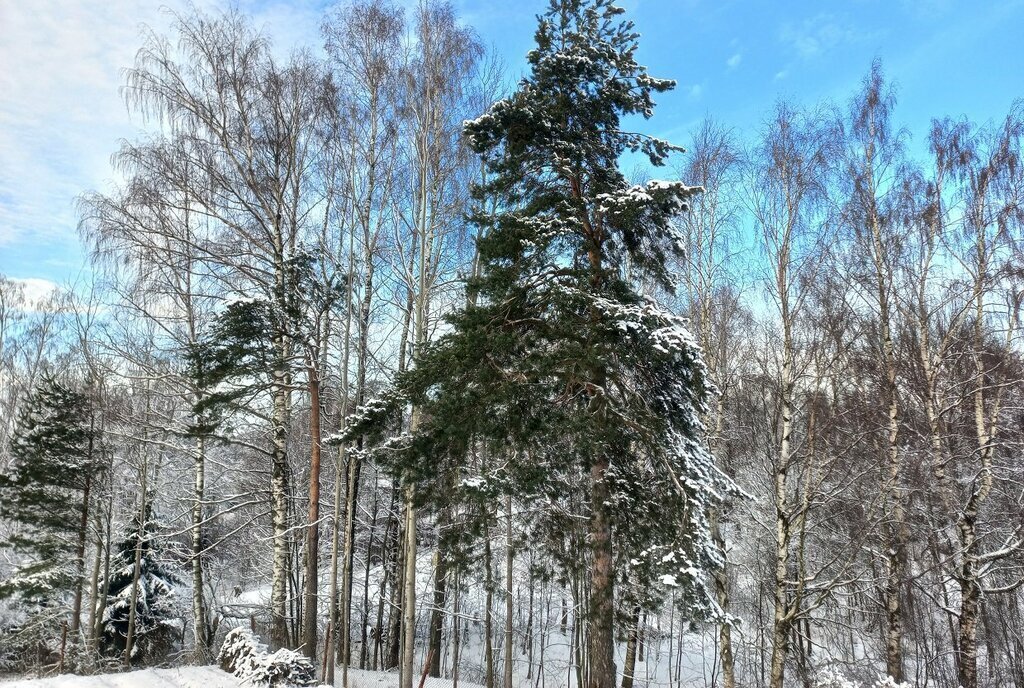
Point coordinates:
[(46, 493), (156, 617), (560, 362)]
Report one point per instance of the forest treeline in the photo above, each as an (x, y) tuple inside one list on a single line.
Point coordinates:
[(379, 355)]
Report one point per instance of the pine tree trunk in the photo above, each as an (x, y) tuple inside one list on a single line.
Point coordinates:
[(601, 638), (456, 633), (508, 591), (488, 615), (629, 668), (437, 613)]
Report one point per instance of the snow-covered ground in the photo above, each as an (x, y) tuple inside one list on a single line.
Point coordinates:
[(181, 677), (204, 677)]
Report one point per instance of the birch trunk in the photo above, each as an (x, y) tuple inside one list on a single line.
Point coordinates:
[(279, 515), (409, 594), (199, 628)]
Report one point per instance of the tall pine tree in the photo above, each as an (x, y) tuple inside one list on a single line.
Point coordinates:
[(46, 493), (560, 362)]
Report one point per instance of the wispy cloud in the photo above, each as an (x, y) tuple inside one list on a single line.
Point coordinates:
[(819, 34), (734, 61), (61, 115)]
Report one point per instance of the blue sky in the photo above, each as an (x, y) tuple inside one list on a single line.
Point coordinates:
[(61, 115)]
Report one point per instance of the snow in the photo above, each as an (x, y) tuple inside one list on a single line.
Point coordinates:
[(208, 677), (180, 677)]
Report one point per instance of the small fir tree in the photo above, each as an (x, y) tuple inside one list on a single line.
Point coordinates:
[(157, 620)]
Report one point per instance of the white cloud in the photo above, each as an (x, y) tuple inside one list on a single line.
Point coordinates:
[(35, 289), (61, 114), (734, 61), (695, 91)]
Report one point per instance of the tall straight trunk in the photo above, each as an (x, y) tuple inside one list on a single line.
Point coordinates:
[(970, 607), (312, 583), (601, 621), (351, 501), (721, 586), (488, 614), (333, 613), (409, 593), (895, 531), (528, 636), (437, 613), (199, 629), (279, 515), (782, 620), (364, 626), (108, 518), (94, 583), (970, 574), (355, 461), (330, 656), (456, 632), (601, 639), (629, 668), (279, 506), (83, 534), (397, 605), (129, 643), (508, 591)]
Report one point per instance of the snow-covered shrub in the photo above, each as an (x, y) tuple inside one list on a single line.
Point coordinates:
[(284, 668), (832, 678), (243, 655)]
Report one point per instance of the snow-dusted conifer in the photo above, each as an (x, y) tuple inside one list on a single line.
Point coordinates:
[(45, 492), (157, 621)]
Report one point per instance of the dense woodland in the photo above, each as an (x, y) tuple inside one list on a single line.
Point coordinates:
[(405, 365)]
